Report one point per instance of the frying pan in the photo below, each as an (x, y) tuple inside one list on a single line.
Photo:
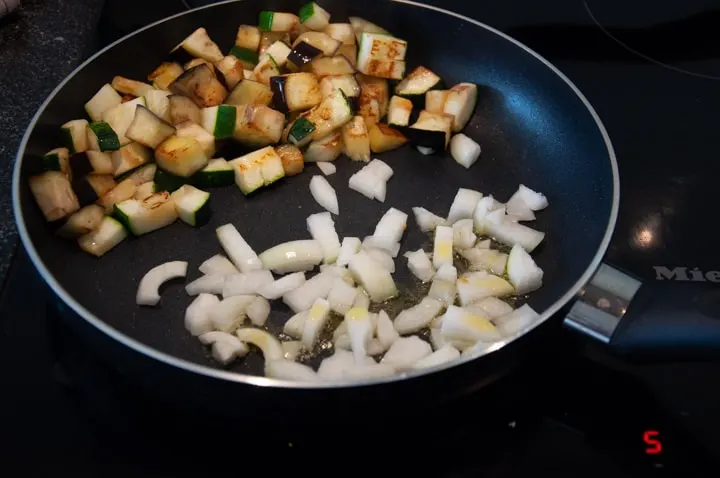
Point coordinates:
[(535, 128)]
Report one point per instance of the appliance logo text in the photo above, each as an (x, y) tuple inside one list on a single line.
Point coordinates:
[(686, 274)]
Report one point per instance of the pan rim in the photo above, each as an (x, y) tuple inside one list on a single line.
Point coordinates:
[(236, 377)]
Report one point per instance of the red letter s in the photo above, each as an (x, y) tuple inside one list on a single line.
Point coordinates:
[(653, 445)]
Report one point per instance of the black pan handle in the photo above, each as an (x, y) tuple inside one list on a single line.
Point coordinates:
[(673, 318)]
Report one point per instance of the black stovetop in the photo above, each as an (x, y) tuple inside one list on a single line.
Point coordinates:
[(652, 74)]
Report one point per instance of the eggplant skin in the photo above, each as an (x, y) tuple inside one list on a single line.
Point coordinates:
[(54, 195), (201, 86)]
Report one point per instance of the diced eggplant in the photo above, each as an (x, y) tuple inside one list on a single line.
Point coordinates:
[(258, 125), (324, 149), (105, 99), (268, 38), (248, 37), (356, 141), (181, 155), (217, 173), (292, 159), (349, 52), (342, 32), (417, 84), (429, 140), (82, 222), (393, 70), (158, 101), (435, 101), (361, 25), (374, 98), (302, 54), (108, 234), (277, 21), (165, 74), (101, 137), (129, 157), (148, 129), (101, 163), (384, 138), (321, 41), (143, 174), (247, 58), (347, 83), (300, 131), (75, 135), (57, 159), (295, 92), (200, 85), (332, 112), (120, 117), (334, 65), (266, 69), (92, 187), (219, 120), (54, 195), (232, 70), (460, 104), (381, 55), (127, 86), (124, 190), (80, 165), (215, 72), (399, 111), (151, 214), (434, 122), (164, 181), (192, 205), (199, 44), (249, 92), (183, 109), (194, 130), (144, 191), (279, 52), (314, 16), (256, 169)]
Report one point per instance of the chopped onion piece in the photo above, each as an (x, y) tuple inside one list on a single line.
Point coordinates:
[(443, 290), (326, 168), (369, 371), (443, 247), (291, 349), (484, 244), (282, 286), (210, 338), (317, 318), (420, 265), (425, 150), (385, 331), (381, 257), (322, 228), (339, 273), (335, 366), (293, 256), (246, 283), (349, 247), (324, 194), (340, 329), (440, 356), (475, 286), (418, 317), (484, 206), (497, 216), (511, 233), (392, 225), (485, 259), (463, 234), (295, 325), (361, 300), (405, 352), (212, 284), (197, 315), (375, 279), (229, 313), (463, 205), (269, 345), (148, 290), (522, 271), (478, 348), (258, 311), (375, 347), (436, 338), (341, 296), (239, 251), (384, 243), (317, 287), (519, 209), (379, 169), (218, 265), (447, 272), (490, 307), (342, 342), (535, 200), (426, 220), (367, 184), (516, 321), (464, 150), (289, 370), (360, 331), (460, 324), (225, 352)]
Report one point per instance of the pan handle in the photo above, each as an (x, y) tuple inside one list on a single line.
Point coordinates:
[(674, 318)]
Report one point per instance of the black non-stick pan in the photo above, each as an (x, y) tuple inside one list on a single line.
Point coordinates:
[(534, 126)]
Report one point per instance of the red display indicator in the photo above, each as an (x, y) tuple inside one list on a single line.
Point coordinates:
[(653, 445)]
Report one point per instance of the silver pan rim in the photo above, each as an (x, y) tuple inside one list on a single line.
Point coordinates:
[(210, 372)]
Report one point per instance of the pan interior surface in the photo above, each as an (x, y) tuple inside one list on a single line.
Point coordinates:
[(533, 126)]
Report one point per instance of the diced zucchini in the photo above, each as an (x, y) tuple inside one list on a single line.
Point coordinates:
[(361, 25), (249, 92), (435, 100), (302, 54), (158, 101), (192, 205), (356, 141), (124, 190), (183, 109), (248, 176), (109, 234), (301, 131), (292, 159), (200, 85), (349, 52), (141, 217), (277, 21), (324, 149), (165, 74), (279, 51), (381, 55), (219, 120), (101, 163), (194, 130), (247, 58), (144, 191), (248, 37), (120, 117), (268, 38), (332, 112), (82, 222), (129, 157), (101, 137), (217, 173), (165, 181), (261, 167), (148, 129), (266, 69), (143, 174), (417, 84), (399, 111), (105, 99), (342, 32), (232, 69), (92, 187), (333, 65), (258, 125), (296, 91), (75, 136), (57, 159), (127, 86), (384, 138), (374, 98), (434, 122), (347, 83), (54, 195), (200, 45), (321, 41), (181, 156), (460, 104), (393, 70), (314, 16)]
